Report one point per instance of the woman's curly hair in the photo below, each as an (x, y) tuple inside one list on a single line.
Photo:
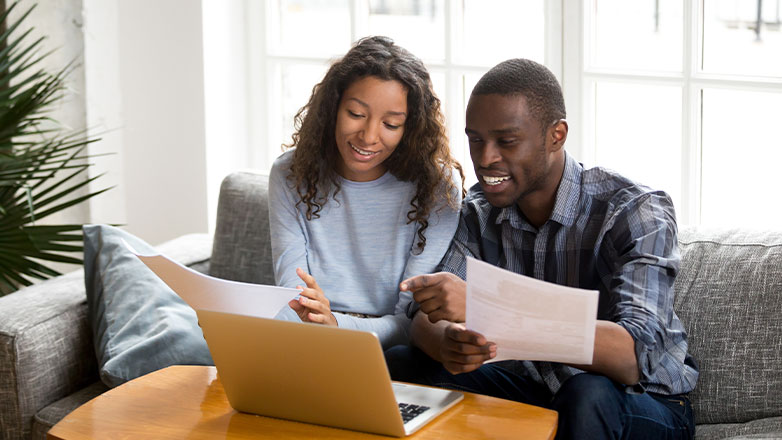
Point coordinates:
[(422, 156)]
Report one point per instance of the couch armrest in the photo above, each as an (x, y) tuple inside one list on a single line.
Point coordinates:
[(46, 350)]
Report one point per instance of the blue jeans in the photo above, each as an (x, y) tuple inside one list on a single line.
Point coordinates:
[(590, 406)]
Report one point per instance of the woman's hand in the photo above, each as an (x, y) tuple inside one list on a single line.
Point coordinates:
[(312, 305)]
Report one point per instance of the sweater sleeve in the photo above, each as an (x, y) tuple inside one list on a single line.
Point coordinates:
[(288, 237), (390, 329)]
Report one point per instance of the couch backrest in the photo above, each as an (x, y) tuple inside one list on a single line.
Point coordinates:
[(242, 249), (729, 298)]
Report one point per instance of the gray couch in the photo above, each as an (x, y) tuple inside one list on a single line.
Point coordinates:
[(729, 296)]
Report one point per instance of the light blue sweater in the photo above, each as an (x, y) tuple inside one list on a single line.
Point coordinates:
[(358, 250)]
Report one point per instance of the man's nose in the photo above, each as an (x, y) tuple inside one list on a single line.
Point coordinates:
[(486, 155)]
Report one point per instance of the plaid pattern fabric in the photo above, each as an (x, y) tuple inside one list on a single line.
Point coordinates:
[(605, 233)]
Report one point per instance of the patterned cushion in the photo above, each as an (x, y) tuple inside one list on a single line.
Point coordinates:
[(139, 324), (242, 249), (729, 297)]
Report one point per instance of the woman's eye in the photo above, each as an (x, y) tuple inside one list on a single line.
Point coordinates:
[(392, 126), (354, 114)]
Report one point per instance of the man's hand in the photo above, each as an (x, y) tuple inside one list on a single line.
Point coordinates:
[(312, 305), (441, 295), (463, 350)]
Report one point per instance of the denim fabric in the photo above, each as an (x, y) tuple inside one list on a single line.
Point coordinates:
[(590, 406)]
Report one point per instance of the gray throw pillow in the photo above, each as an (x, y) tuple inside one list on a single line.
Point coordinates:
[(138, 323)]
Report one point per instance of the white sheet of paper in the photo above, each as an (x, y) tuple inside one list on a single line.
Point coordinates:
[(530, 319), (202, 292)]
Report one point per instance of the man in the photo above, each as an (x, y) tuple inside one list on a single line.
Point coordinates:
[(538, 212)]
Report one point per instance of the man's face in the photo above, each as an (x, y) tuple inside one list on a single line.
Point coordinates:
[(508, 148)]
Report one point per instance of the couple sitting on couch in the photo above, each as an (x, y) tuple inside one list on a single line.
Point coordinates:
[(367, 206)]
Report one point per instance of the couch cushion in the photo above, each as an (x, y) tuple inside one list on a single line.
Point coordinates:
[(729, 297), (49, 416), (770, 428), (139, 324), (242, 248)]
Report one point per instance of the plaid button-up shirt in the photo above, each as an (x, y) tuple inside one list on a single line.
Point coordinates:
[(605, 233)]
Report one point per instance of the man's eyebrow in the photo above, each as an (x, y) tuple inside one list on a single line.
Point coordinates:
[(509, 130), (365, 105)]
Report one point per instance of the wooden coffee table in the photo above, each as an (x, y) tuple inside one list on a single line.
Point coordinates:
[(189, 402)]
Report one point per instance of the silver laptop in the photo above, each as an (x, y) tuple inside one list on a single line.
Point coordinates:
[(316, 374)]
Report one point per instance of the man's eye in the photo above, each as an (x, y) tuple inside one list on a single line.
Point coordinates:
[(506, 141), (473, 140)]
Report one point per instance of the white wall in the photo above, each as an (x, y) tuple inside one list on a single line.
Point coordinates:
[(60, 22), (227, 84), (145, 98)]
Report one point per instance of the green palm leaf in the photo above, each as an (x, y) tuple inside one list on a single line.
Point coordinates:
[(43, 169)]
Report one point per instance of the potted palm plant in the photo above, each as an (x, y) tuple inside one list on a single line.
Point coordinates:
[(43, 166)]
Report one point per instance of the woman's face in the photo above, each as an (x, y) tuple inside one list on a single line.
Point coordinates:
[(370, 123)]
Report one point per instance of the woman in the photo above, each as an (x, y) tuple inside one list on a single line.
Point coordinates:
[(367, 194)]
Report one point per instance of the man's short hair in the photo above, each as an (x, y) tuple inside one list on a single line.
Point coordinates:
[(534, 81)]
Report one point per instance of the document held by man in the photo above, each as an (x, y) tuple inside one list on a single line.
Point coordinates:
[(530, 319), (202, 292)]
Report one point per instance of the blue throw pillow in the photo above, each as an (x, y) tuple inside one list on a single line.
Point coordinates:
[(138, 323)]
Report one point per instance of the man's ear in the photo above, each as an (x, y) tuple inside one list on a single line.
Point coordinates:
[(557, 134)]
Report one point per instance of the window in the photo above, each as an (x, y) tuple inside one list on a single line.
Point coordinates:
[(678, 95), (682, 96), (452, 38)]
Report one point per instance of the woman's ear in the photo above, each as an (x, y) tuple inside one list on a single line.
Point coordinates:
[(557, 134)]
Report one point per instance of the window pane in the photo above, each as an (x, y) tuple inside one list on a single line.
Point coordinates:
[(740, 174), (498, 30), (417, 26), (319, 28), (459, 143), (636, 35), (291, 89), (638, 133), (739, 40)]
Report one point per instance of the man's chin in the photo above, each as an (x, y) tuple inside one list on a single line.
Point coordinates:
[(500, 200)]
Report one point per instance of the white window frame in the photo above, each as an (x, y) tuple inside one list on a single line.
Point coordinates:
[(262, 105), (580, 103)]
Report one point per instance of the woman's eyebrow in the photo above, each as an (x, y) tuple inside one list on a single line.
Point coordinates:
[(365, 105), (362, 103)]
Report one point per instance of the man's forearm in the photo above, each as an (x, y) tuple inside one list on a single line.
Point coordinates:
[(427, 336), (614, 354)]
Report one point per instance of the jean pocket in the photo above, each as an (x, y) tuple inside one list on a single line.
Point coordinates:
[(677, 405)]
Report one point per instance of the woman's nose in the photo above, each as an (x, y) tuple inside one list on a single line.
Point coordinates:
[(371, 133)]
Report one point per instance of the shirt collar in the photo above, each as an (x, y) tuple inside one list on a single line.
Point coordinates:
[(565, 207)]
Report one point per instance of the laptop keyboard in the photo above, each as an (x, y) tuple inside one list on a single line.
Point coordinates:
[(410, 411)]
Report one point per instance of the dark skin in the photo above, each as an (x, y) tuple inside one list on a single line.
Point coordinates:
[(518, 162)]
